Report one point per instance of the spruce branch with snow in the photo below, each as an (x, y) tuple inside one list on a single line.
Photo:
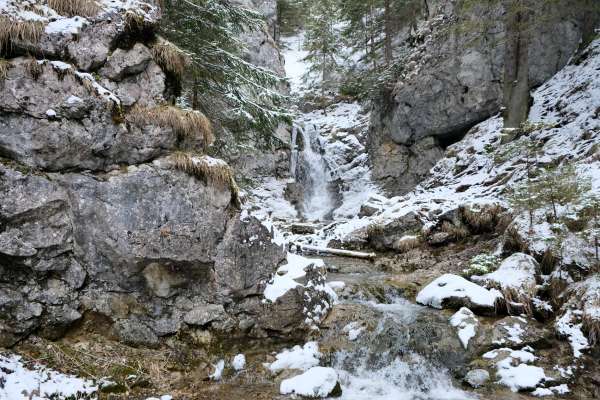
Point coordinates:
[(209, 31)]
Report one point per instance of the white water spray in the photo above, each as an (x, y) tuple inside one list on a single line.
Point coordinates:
[(318, 202)]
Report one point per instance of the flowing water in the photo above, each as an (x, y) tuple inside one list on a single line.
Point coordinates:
[(309, 168), (384, 367)]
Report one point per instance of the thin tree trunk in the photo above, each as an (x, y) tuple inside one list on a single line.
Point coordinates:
[(516, 64), (388, 32)]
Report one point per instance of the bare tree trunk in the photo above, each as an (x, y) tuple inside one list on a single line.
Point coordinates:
[(388, 32), (516, 64)]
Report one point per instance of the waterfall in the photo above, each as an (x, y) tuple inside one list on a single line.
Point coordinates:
[(309, 168)]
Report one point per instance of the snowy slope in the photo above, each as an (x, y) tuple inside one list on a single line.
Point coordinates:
[(479, 169)]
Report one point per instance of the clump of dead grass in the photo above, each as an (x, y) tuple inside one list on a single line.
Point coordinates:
[(11, 31), (35, 68), (481, 218), (72, 8), (519, 301), (211, 170), (184, 123), (456, 231), (4, 67), (170, 58)]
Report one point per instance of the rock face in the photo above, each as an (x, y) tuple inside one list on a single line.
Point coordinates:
[(95, 219), (452, 81)]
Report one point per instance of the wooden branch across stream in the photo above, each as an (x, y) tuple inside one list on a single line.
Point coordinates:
[(335, 252)]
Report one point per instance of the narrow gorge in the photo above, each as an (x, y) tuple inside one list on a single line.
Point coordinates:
[(337, 199)]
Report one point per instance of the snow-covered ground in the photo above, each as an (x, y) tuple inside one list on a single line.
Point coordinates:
[(30, 381)]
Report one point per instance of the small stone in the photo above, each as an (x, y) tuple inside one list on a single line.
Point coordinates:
[(135, 333), (368, 210), (477, 377), (439, 238), (303, 229), (203, 315)]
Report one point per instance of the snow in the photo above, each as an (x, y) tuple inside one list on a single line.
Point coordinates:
[(239, 362), (466, 323), (316, 382), (521, 377), (560, 389), (50, 113), (36, 382), (516, 272), (66, 26), (336, 285), (354, 330), (100, 90), (285, 278), (474, 170), (218, 372), (163, 397), (74, 100), (514, 332), (268, 197), (295, 66), (567, 327), (298, 357), (453, 286)]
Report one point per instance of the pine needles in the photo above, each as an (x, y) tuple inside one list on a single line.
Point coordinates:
[(71, 8), (11, 31), (211, 170), (184, 123)]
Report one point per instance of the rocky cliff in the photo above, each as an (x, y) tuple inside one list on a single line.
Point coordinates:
[(452, 80), (108, 212)]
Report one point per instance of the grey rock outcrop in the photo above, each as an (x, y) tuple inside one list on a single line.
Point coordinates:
[(96, 221), (452, 80)]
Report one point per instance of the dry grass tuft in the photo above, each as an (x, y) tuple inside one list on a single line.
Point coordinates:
[(185, 123), (518, 302), (170, 58), (481, 219), (591, 326), (4, 67), (72, 8), (457, 232), (12, 31), (35, 68), (211, 170), (134, 22)]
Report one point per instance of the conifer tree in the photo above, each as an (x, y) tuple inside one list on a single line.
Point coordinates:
[(322, 40), (209, 31)]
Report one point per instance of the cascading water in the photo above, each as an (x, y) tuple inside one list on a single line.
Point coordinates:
[(309, 168), (383, 366)]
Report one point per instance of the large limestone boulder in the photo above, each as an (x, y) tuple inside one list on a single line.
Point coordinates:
[(148, 244)]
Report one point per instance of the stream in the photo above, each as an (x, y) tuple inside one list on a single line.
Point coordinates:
[(396, 350)]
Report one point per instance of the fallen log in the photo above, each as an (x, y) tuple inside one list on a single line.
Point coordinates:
[(335, 252)]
